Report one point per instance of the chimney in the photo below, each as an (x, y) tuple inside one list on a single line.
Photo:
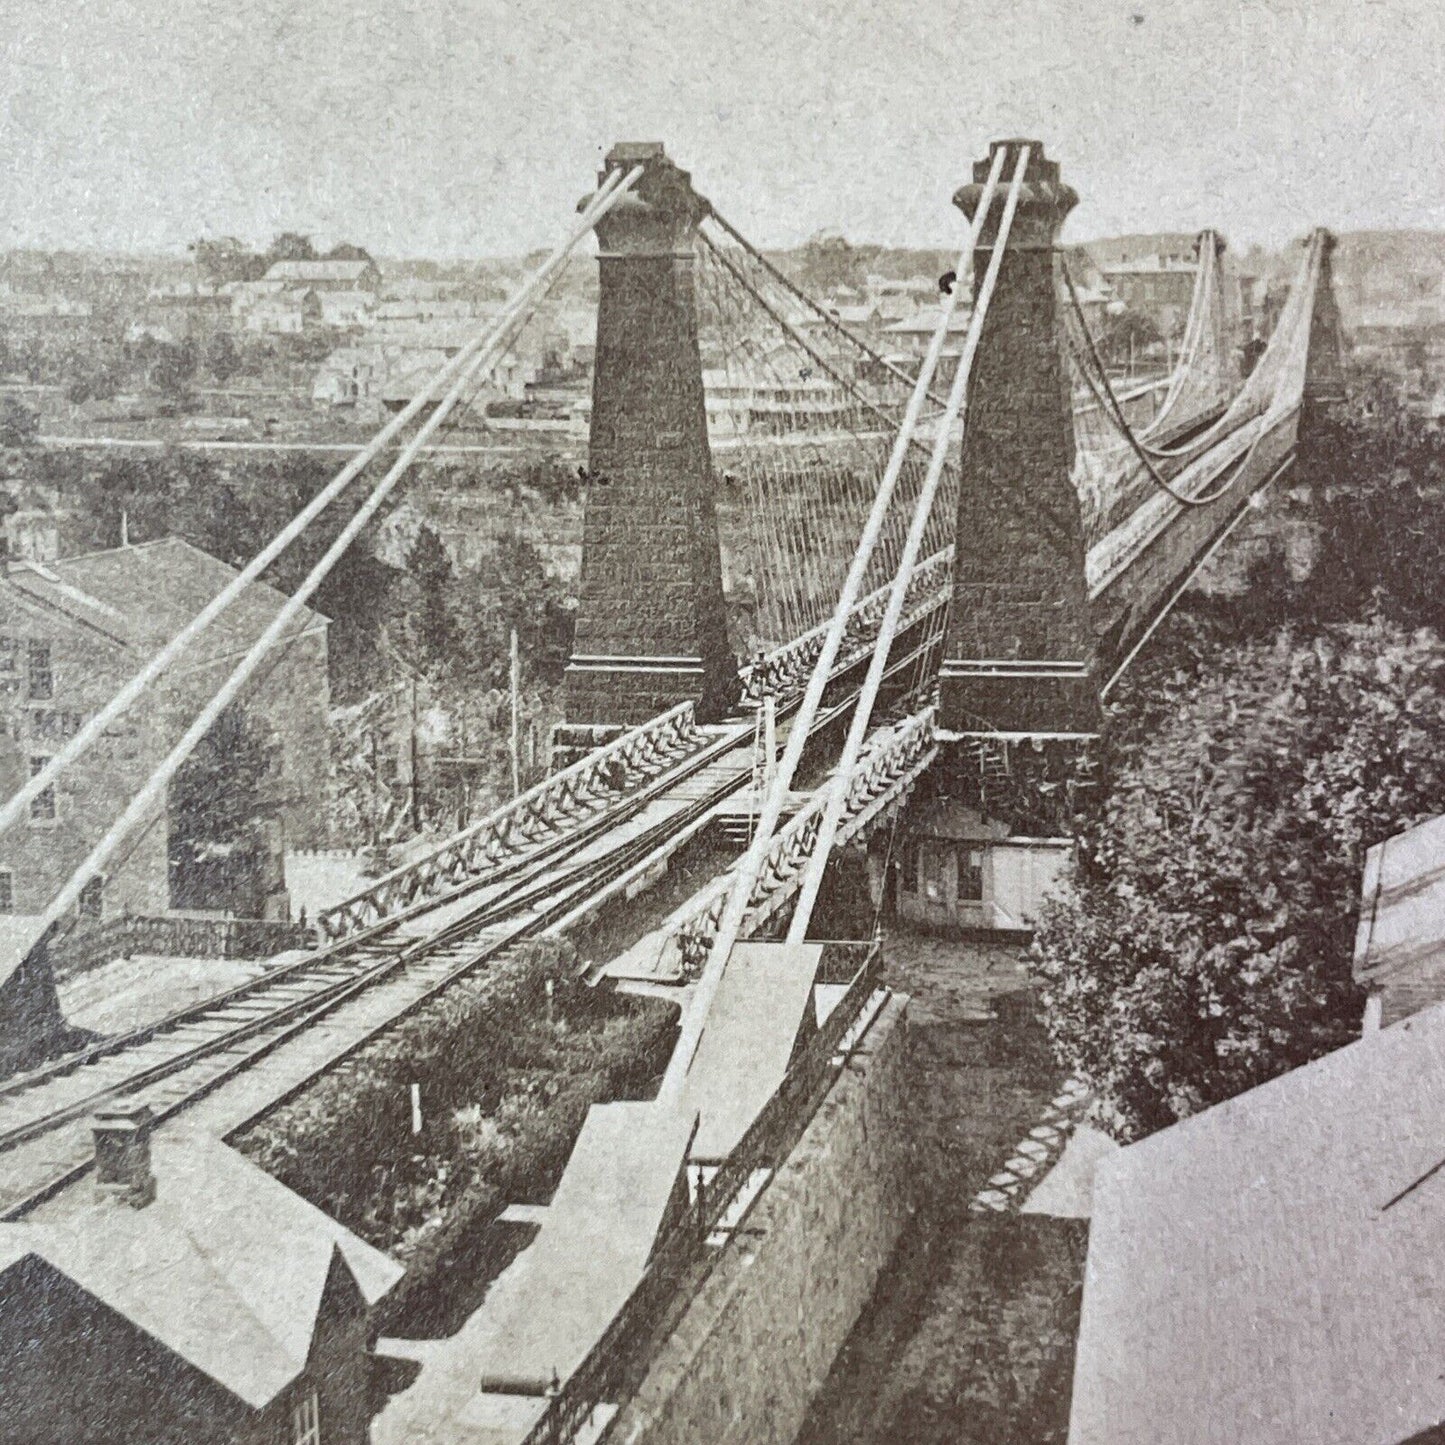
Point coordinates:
[(123, 1154)]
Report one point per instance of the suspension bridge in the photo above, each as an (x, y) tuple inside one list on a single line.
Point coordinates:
[(809, 576)]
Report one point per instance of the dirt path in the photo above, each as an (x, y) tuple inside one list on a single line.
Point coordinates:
[(969, 1338)]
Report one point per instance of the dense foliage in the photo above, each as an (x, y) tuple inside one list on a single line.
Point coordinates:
[(509, 1075), (1262, 745)]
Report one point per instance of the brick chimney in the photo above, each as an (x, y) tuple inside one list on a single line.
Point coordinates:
[(123, 1154)]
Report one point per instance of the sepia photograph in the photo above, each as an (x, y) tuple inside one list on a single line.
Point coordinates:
[(722, 724)]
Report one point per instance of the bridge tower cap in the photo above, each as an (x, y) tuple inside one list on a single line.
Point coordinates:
[(636, 152), (1044, 200)]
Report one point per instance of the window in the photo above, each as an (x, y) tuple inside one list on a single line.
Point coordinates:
[(306, 1422), (42, 683), (92, 899), (7, 891), (970, 875), (42, 805), (9, 654)]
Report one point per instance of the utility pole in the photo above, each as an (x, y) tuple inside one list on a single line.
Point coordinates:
[(415, 763), (515, 740)]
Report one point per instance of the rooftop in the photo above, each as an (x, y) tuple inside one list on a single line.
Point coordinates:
[(319, 270), (143, 595), (226, 1267), (1271, 1269)]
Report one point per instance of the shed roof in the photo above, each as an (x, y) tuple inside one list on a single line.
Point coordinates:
[(1271, 1270), (760, 1008)]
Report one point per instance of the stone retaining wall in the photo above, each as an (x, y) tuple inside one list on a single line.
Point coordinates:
[(759, 1340)]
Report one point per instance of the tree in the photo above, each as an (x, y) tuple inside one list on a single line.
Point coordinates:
[(290, 246), (19, 424), (347, 252), (827, 262), (226, 259), (173, 367), (433, 631), (219, 809), (517, 591), (1206, 941), (222, 358)]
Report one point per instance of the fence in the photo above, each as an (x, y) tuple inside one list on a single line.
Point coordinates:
[(682, 1260), (588, 785), (85, 948)]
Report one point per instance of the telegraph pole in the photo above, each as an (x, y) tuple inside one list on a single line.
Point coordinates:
[(515, 740)]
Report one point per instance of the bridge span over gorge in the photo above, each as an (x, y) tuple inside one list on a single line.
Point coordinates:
[(922, 572)]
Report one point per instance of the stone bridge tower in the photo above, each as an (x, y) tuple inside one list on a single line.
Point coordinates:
[(1019, 656), (651, 624)]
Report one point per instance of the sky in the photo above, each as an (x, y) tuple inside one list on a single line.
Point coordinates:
[(461, 128)]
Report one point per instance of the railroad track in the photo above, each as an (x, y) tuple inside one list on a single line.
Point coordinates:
[(181, 1059), (186, 1057)]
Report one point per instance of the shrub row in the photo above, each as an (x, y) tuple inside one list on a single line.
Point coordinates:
[(507, 1073)]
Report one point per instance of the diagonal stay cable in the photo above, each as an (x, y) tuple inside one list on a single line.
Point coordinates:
[(130, 692), (898, 594), (480, 364), (735, 911)]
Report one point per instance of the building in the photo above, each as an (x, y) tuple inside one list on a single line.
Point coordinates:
[(72, 632), (1271, 1270), (909, 339), (351, 376), (347, 308), (1152, 248), (195, 1299), (285, 313), (957, 871), (1161, 289), (328, 275), (1400, 940), (185, 310)]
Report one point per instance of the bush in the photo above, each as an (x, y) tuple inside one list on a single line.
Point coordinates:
[(1207, 941), (505, 1088)]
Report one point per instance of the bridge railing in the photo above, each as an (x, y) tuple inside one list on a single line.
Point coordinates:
[(683, 1258), (786, 668), (531, 819), (885, 773), (127, 934)]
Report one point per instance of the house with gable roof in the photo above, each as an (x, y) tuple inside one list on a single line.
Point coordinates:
[(195, 1298)]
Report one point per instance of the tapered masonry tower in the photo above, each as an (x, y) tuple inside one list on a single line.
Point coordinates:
[(1019, 656), (651, 624)]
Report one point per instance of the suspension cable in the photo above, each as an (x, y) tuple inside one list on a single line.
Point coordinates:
[(473, 373), (814, 306), (1104, 395), (842, 777)]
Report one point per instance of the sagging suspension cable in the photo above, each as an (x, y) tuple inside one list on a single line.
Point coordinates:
[(793, 334), (1104, 395)]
